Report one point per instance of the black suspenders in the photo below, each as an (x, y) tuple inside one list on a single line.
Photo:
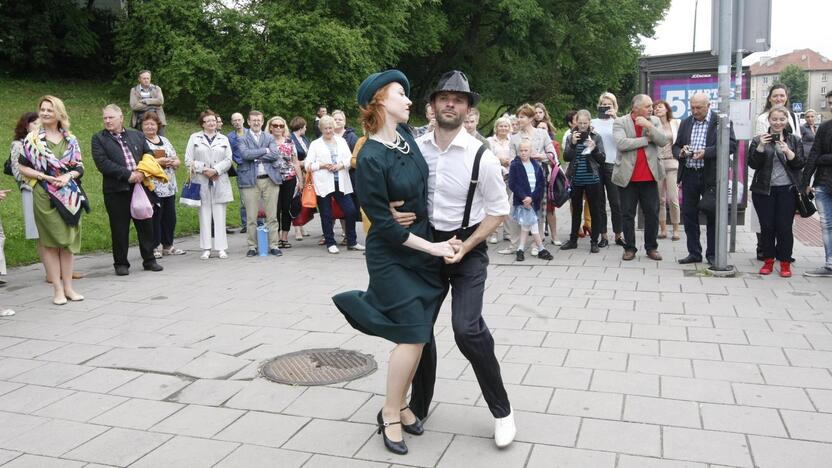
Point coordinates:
[(472, 187)]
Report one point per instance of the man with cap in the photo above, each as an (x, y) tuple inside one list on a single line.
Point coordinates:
[(467, 201)]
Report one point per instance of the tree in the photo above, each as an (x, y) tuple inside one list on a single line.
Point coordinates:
[(797, 80), (55, 37)]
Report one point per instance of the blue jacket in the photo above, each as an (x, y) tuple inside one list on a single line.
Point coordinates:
[(253, 151), (518, 183)]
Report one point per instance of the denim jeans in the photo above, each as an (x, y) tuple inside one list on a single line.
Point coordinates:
[(325, 210), (823, 200)]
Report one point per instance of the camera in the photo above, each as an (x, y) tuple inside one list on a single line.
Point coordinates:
[(583, 136)]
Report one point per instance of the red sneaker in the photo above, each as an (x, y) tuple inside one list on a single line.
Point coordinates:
[(786, 269), (768, 267)]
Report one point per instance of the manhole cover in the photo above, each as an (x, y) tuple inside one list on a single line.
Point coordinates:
[(318, 367)]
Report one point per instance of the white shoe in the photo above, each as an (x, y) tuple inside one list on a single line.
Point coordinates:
[(534, 251), (507, 251), (504, 430), (333, 249), (492, 239), (357, 246), (557, 242), (222, 254), (6, 313), (206, 254)]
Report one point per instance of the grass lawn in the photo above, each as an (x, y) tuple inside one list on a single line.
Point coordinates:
[(84, 101)]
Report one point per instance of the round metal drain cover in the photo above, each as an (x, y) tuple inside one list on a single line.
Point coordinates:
[(318, 367)]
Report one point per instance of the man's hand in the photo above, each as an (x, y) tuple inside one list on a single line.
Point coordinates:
[(698, 155), (405, 219), (810, 190), (459, 248), (136, 177), (644, 122), (527, 202)]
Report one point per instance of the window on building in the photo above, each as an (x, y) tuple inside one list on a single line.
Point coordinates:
[(823, 90), (823, 76), (765, 80)]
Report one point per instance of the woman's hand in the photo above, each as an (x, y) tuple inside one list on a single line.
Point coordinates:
[(590, 144), (210, 173), (527, 202), (575, 136), (765, 139), (782, 146), (442, 249)]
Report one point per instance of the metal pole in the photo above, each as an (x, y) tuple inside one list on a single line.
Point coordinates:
[(695, 9), (721, 267), (735, 178)]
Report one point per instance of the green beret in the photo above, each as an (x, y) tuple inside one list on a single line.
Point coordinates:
[(377, 81)]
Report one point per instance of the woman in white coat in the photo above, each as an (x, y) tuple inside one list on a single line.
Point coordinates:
[(208, 158), (328, 159)]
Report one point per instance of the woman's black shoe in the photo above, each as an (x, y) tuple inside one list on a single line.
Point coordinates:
[(593, 247), (416, 428), (619, 241), (569, 245), (399, 448), (603, 243)]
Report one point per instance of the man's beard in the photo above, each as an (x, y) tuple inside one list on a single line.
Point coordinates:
[(449, 123)]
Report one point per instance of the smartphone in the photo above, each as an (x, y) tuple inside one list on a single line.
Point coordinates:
[(582, 136), (775, 137), (602, 112)]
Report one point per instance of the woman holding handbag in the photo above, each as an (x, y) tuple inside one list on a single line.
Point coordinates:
[(164, 214), (208, 158), (328, 159), (777, 159), (51, 162)]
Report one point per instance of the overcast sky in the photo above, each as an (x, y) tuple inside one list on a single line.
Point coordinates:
[(795, 24)]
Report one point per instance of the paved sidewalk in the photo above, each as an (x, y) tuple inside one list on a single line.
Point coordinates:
[(608, 364)]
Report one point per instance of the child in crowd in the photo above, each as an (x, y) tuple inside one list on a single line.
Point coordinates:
[(526, 182)]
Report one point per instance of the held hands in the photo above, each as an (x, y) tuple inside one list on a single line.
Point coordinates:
[(809, 190), (405, 219), (443, 249), (459, 251), (210, 173)]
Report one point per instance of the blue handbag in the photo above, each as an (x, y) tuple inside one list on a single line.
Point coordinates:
[(190, 194)]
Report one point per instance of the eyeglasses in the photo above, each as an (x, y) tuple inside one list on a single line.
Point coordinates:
[(278, 126)]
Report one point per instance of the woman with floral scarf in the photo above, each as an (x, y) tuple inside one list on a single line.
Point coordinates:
[(51, 162)]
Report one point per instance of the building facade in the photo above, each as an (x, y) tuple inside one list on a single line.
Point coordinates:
[(818, 68)]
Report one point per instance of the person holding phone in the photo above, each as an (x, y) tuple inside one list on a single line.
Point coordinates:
[(585, 153), (777, 159), (606, 114)]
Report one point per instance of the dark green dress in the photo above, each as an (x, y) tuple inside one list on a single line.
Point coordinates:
[(405, 290)]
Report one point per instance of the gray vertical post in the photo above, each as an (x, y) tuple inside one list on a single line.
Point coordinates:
[(735, 177), (721, 267)]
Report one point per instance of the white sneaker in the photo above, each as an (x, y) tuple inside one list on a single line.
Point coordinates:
[(222, 254), (6, 313), (557, 242), (493, 239), (507, 251), (357, 246), (206, 254), (333, 249), (504, 430), (534, 251)]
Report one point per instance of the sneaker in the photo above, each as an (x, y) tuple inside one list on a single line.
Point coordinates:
[(822, 272), (252, 252), (333, 249), (6, 313), (603, 243), (520, 256), (544, 255), (206, 254), (493, 239), (276, 252), (157, 253), (357, 246), (535, 251), (222, 254), (556, 243), (504, 430), (507, 251), (593, 248)]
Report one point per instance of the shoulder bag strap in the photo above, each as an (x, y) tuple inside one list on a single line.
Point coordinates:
[(472, 187)]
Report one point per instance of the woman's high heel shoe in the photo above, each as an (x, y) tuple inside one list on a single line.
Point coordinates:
[(416, 428), (399, 448)]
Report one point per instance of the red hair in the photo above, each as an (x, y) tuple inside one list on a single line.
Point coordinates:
[(372, 116)]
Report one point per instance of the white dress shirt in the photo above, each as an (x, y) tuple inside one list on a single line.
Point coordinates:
[(450, 177)]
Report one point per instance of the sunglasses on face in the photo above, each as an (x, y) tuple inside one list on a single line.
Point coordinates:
[(278, 126)]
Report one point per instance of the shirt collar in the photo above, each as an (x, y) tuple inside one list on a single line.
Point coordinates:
[(461, 140), (707, 119)]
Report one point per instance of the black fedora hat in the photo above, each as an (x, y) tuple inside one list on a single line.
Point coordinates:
[(456, 82)]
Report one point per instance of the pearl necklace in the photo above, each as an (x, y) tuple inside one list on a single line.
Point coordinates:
[(399, 145)]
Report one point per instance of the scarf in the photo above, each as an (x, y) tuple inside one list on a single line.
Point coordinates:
[(68, 199)]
